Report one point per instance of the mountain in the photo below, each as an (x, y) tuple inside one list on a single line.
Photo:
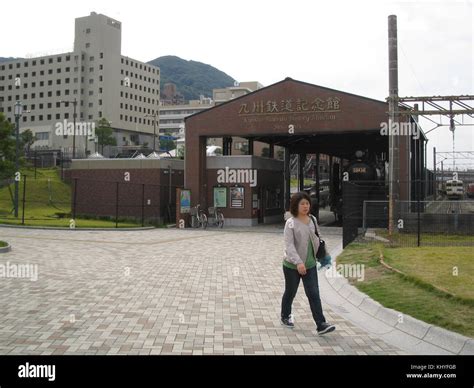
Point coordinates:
[(192, 78), (2, 59)]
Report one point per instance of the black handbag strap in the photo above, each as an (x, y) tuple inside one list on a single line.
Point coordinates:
[(315, 228)]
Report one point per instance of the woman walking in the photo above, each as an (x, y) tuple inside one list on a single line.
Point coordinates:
[(301, 245)]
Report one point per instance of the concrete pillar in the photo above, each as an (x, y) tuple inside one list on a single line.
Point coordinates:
[(287, 182)]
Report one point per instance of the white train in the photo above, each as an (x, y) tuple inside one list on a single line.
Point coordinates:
[(455, 189)]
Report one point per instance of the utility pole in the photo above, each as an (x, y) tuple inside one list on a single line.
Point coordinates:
[(18, 112), (74, 102), (154, 116)]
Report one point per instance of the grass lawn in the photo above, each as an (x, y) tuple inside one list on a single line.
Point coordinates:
[(47, 197), (419, 292)]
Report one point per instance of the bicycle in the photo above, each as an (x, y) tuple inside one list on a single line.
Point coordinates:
[(198, 217), (216, 217)]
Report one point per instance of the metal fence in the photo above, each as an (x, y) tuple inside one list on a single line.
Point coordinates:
[(420, 222), (436, 223)]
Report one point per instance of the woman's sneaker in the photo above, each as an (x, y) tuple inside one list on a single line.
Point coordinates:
[(325, 327), (288, 322)]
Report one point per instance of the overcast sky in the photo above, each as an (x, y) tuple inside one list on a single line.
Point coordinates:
[(337, 44)]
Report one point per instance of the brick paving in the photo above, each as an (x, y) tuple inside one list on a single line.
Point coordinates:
[(162, 291)]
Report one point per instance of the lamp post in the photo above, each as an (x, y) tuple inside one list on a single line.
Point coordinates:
[(74, 102), (154, 115), (18, 112)]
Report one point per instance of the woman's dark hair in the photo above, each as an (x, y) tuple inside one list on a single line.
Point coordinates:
[(295, 201)]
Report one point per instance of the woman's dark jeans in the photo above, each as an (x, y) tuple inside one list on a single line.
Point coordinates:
[(311, 288)]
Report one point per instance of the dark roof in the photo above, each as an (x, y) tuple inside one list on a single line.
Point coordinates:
[(280, 82)]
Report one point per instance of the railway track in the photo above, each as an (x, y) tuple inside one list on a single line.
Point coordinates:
[(450, 207)]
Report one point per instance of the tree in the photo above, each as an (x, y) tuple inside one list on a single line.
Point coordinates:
[(104, 133), (7, 148), (167, 144), (27, 139)]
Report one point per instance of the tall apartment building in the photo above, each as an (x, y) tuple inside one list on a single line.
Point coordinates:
[(104, 83)]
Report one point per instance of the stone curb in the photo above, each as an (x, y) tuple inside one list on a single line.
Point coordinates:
[(452, 342), (74, 229)]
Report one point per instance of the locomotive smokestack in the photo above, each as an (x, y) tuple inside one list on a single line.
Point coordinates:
[(393, 140)]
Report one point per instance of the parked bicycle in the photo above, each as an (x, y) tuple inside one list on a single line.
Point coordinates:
[(198, 217), (216, 217)]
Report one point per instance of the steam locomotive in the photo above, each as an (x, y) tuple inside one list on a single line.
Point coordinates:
[(360, 169)]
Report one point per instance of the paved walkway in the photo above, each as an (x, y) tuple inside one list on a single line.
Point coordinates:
[(164, 291)]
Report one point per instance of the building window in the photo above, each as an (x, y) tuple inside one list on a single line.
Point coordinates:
[(42, 135), (88, 45)]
